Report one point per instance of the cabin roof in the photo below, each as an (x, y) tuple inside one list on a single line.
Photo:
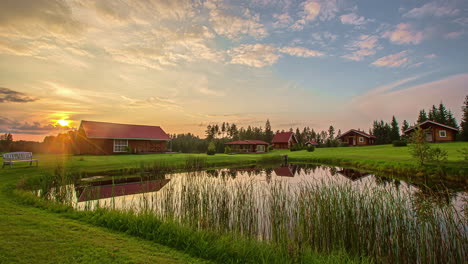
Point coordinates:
[(246, 142), (106, 130), (283, 137), (430, 122)]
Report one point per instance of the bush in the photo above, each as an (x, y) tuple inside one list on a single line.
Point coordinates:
[(310, 148), (297, 147), (227, 150), (343, 145), (399, 143), (438, 156), (270, 148), (211, 149)]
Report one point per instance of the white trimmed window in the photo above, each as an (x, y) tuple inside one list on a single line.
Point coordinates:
[(442, 133), (120, 145), (361, 139)]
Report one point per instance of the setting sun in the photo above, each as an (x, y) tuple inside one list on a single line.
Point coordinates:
[(63, 122)]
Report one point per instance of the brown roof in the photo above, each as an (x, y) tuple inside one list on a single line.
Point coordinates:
[(282, 137), (430, 122), (246, 142), (362, 133), (95, 129), (312, 142)]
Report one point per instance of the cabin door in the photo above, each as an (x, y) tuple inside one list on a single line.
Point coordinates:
[(351, 141), (429, 136)]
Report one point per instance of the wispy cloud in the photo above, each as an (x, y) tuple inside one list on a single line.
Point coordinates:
[(10, 96), (366, 45), (354, 19), (301, 52), (393, 60), (404, 34), (437, 9)]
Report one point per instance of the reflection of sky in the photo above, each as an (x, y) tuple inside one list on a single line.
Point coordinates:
[(261, 178)]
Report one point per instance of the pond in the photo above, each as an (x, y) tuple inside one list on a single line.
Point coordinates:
[(325, 208)]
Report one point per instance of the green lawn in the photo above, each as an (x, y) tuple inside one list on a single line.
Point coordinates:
[(34, 235)]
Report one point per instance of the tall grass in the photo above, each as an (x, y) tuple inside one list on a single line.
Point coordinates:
[(368, 220)]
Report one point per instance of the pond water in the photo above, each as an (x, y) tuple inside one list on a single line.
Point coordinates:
[(320, 207), (133, 191)]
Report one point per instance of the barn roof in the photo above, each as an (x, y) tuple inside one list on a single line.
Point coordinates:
[(362, 133), (282, 137), (95, 129), (246, 142), (430, 122)]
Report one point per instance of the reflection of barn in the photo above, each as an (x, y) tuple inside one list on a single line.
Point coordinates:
[(120, 187), (353, 174), (286, 171)]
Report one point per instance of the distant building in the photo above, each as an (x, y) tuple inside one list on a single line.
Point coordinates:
[(355, 137), (102, 138), (284, 140), (248, 146), (311, 143), (435, 132)]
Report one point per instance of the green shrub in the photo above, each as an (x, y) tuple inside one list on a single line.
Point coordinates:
[(297, 147), (310, 148), (399, 143), (211, 149), (270, 148), (227, 150), (438, 156)]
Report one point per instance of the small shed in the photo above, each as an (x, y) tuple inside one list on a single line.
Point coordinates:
[(355, 137), (434, 131), (311, 143), (248, 146), (284, 140)]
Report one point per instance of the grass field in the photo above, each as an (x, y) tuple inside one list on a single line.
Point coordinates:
[(31, 234)]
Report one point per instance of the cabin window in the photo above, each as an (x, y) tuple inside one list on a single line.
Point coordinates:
[(442, 133), (260, 148), (120, 145), (361, 139)]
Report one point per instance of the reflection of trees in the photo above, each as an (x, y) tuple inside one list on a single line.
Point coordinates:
[(425, 199), (380, 180)]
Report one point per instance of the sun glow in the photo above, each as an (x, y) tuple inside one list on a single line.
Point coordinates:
[(63, 122)]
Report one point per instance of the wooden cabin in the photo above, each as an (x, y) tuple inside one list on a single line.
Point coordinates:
[(435, 132), (284, 140), (248, 146), (355, 137), (102, 138)]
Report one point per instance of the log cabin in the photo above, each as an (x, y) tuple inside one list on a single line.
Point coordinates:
[(284, 140), (355, 137), (248, 146), (434, 131), (102, 138)]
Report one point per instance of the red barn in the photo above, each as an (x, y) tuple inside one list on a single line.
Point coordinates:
[(102, 138), (284, 140)]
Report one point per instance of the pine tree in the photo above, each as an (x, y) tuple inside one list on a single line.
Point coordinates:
[(331, 133), (464, 121), (422, 116), (405, 126), (395, 131), (268, 132), (442, 114)]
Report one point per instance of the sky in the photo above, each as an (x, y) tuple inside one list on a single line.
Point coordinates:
[(185, 64)]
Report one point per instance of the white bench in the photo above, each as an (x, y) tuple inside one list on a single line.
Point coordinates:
[(13, 157)]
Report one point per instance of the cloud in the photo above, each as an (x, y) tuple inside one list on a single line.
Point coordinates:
[(11, 96), (431, 56), (313, 9), (261, 55), (282, 20), (39, 17), (432, 9), (393, 60), (8, 125), (454, 35), (254, 55), (407, 101), (404, 34), (231, 26), (365, 46), (301, 52), (354, 19)]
